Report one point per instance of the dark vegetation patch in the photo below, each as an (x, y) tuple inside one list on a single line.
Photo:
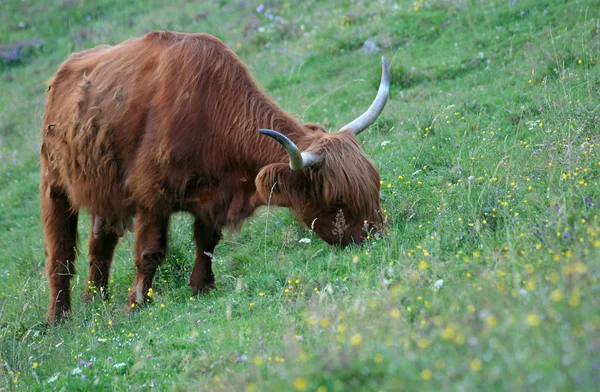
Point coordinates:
[(19, 52)]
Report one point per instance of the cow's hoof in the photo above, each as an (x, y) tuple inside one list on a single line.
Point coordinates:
[(56, 316), (134, 307), (204, 287), (136, 302), (92, 293)]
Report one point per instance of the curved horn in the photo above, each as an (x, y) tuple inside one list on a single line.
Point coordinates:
[(298, 160), (369, 117)]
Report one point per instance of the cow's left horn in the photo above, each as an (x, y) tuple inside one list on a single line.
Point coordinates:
[(298, 160), (367, 118)]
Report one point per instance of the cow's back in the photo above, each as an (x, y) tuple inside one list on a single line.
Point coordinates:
[(104, 135)]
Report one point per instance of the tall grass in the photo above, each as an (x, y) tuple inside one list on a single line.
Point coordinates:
[(488, 152)]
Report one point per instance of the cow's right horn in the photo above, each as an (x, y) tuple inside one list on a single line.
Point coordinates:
[(298, 160), (367, 118)]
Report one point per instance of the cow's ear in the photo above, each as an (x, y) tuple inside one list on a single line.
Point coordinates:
[(277, 184), (315, 127)]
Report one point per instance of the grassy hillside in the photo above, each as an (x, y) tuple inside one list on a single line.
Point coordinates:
[(489, 155)]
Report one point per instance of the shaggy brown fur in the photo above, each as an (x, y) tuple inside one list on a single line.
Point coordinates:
[(168, 122)]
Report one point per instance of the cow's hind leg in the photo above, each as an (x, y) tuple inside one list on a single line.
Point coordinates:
[(207, 237), (150, 251), (102, 245), (60, 229)]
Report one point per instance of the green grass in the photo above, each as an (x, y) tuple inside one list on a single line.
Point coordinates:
[(489, 155)]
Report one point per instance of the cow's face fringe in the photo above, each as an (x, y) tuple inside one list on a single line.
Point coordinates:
[(338, 197)]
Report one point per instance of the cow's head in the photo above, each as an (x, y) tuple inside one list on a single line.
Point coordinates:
[(332, 186)]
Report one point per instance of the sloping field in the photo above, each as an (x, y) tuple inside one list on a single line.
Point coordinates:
[(487, 276)]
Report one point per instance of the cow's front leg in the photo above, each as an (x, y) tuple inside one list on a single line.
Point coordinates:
[(207, 238), (150, 250), (102, 245), (60, 229)]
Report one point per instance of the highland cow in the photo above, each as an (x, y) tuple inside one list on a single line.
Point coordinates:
[(174, 122)]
